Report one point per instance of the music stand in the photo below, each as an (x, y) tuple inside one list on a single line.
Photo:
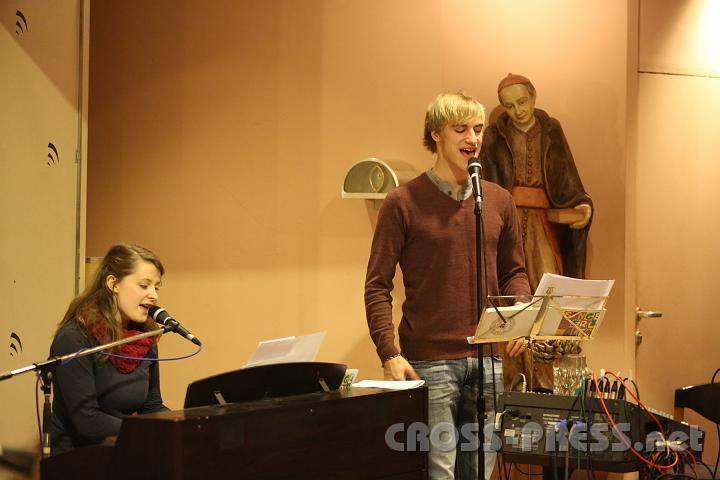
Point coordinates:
[(543, 317)]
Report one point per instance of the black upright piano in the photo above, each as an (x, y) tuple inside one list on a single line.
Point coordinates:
[(339, 434)]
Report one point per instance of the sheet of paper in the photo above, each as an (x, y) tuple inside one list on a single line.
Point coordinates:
[(303, 348), (552, 284), (390, 384)]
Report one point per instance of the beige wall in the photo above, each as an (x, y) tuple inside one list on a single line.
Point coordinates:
[(221, 132)]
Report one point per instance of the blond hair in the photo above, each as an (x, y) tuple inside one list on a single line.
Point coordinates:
[(451, 108)]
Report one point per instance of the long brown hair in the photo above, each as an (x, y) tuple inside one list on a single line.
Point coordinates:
[(95, 309)]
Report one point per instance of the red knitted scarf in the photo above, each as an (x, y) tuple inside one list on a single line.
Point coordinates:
[(137, 349)]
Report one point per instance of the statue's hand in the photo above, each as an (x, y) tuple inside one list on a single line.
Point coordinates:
[(586, 210)]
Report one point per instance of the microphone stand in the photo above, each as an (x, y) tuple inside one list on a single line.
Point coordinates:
[(480, 270), (46, 372)]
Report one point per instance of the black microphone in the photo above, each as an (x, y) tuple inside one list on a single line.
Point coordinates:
[(161, 316), (475, 171)]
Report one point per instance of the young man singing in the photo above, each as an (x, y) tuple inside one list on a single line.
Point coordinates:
[(428, 227)]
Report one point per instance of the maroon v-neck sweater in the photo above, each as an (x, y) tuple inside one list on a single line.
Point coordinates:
[(432, 237)]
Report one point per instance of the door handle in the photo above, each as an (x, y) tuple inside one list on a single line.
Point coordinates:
[(639, 313)]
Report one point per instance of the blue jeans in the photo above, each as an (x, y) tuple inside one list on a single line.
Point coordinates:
[(452, 414)]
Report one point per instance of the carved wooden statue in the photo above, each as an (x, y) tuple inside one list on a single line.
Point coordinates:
[(526, 152)]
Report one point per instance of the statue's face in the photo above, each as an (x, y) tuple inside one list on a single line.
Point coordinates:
[(519, 104)]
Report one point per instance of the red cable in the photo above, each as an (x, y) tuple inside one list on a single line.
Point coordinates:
[(622, 435), (657, 422), (640, 404)]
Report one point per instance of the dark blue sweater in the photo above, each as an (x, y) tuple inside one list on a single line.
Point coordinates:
[(91, 397)]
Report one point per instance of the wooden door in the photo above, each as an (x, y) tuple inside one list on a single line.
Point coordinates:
[(677, 229)]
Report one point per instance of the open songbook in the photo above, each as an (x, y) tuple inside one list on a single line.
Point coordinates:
[(561, 307)]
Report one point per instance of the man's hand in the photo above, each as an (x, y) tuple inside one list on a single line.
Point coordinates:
[(516, 347), (397, 368), (586, 210)]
